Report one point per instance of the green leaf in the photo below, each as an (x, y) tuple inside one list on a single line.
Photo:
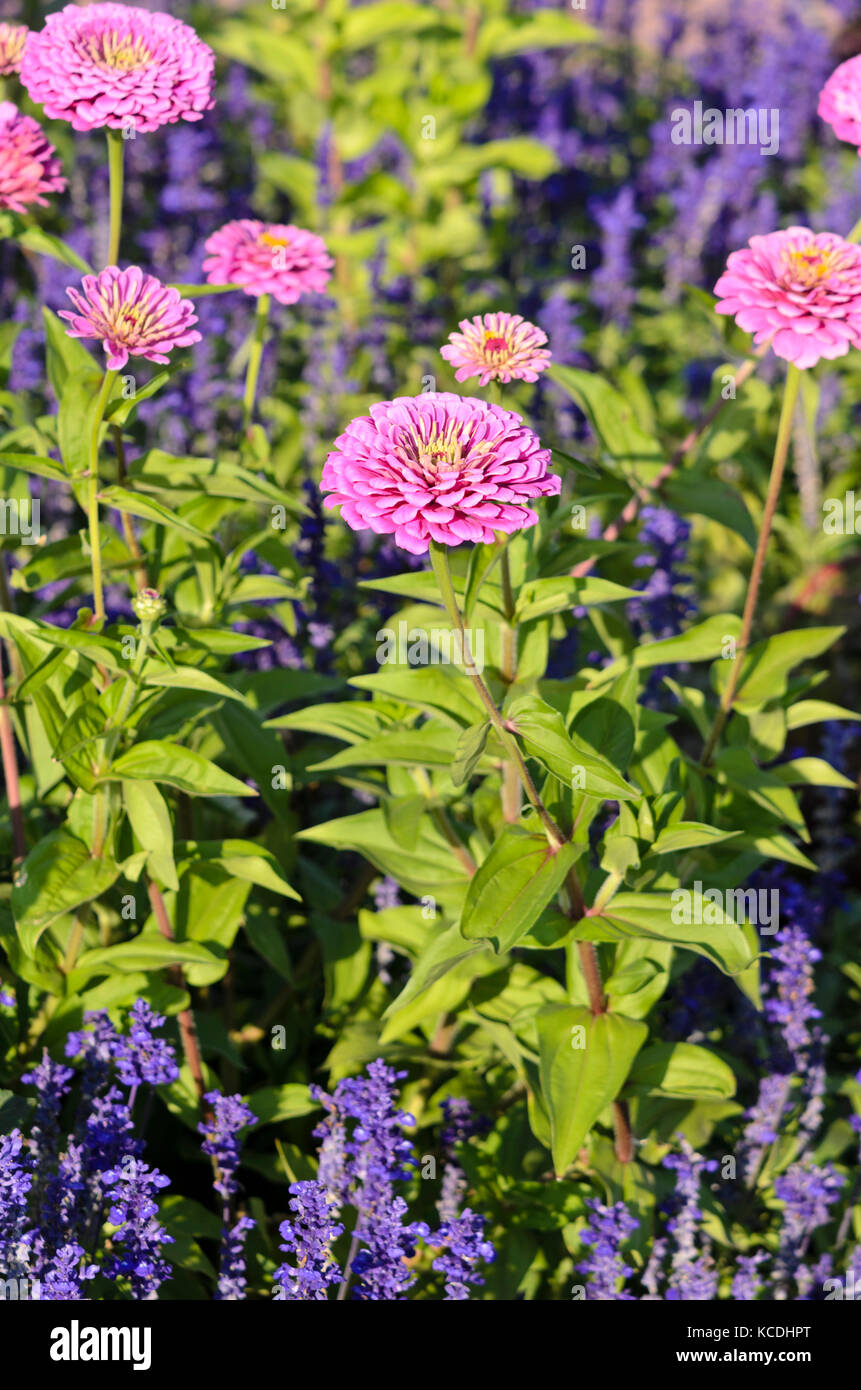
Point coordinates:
[(651, 915), (540, 597), (429, 869), (150, 820), (482, 559), (713, 499), (445, 952), (347, 720), (499, 36), (148, 510), (522, 154), (56, 877), (272, 1104), (361, 28), (183, 1217), (66, 559), (685, 834), (470, 747), (433, 745), (736, 767), (122, 409), (81, 732), (702, 642), (32, 463), (257, 752), (199, 291), (511, 888), (811, 772), (682, 1070), (14, 1111), (541, 730), (157, 760), (612, 419), (187, 678), (811, 712), (584, 1061), (65, 355), (767, 664), (92, 645), (241, 859), (158, 471), (35, 239), (208, 908), (606, 724), (76, 418), (439, 690), (148, 951)]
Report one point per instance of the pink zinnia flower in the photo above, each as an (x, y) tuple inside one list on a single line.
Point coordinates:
[(267, 258), (118, 66), (29, 167), (134, 314), (12, 40), (497, 347), (840, 101), (798, 289), (437, 467)]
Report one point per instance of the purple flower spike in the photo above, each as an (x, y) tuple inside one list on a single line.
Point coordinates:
[(309, 1236), (607, 1229)]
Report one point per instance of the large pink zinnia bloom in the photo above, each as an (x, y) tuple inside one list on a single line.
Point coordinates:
[(437, 467), (12, 40), (268, 258), (798, 289), (28, 166), (118, 66), (840, 101), (134, 315), (497, 347)]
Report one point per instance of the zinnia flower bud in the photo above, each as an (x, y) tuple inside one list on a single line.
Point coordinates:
[(149, 605)]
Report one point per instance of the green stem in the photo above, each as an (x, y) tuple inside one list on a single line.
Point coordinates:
[(511, 788), (93, 495), (129, 694), (576, 905), (127, 699), (855, 234), (76, 937), (254, 357), (439, 561), (781, 448), (115, 171)]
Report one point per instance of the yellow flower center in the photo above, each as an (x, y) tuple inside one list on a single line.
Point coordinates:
[(810, 264), (121, 52), (267, 239)]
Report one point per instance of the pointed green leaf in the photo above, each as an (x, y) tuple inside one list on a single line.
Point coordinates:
[(541, 730), (470, 747), (660, 917), (511, 888), (56, 877), (157, 760), (584, 1061)]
